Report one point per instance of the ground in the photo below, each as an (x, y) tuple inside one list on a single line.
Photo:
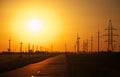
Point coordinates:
[(94, 64), (104, 64)]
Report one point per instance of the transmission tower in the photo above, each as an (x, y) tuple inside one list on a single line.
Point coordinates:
[(75, 47), (85, 46), (29, 47), (9, 49), (21, 49), (98, 41), (33, 48), (78, 42), (65, 47), (110, 35), (91, 43)]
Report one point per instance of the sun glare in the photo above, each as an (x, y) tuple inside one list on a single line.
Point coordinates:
[(42, 24), (34, 25)]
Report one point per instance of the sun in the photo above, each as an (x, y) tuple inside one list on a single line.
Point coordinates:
[(34, 25)]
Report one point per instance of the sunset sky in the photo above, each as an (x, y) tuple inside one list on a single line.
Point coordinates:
[(56, 22)]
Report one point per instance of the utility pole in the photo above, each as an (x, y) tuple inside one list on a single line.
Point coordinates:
[(75, 47), (91, 43), (110, 36), (78, 41), (84, 46), (33, 48), (65, 47), (9, 49), (29, 47), (21, 49), (87, 45), (98, 41)]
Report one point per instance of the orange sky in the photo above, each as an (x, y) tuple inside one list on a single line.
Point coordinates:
[(62, 19)]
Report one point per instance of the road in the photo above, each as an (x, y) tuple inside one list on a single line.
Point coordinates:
[(51, 67)]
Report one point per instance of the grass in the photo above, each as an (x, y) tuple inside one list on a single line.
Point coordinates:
[(94, 64)]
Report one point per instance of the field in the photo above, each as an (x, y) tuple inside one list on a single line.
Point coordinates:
[(93, 64), (15, 60), (103, 64)]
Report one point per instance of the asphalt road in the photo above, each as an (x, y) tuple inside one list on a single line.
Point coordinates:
[(51, 67)]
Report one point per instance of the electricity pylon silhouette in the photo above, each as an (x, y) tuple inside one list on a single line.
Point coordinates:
[(65, 47), (9, 49), (110, 36), (85, 46), (98, 40), (21, 49), (78, 43), (28, 47), (75, 47), (91, 43), (33, 48)]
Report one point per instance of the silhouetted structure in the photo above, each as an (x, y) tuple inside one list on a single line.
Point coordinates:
[(78, 43), (85, 46), (33, 48), (91, 43), (65, 47), (21, 49), (110, 36), (37, 49), (29, 50), (9, 49), (75, 47), (40, 48), (98, 41)]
